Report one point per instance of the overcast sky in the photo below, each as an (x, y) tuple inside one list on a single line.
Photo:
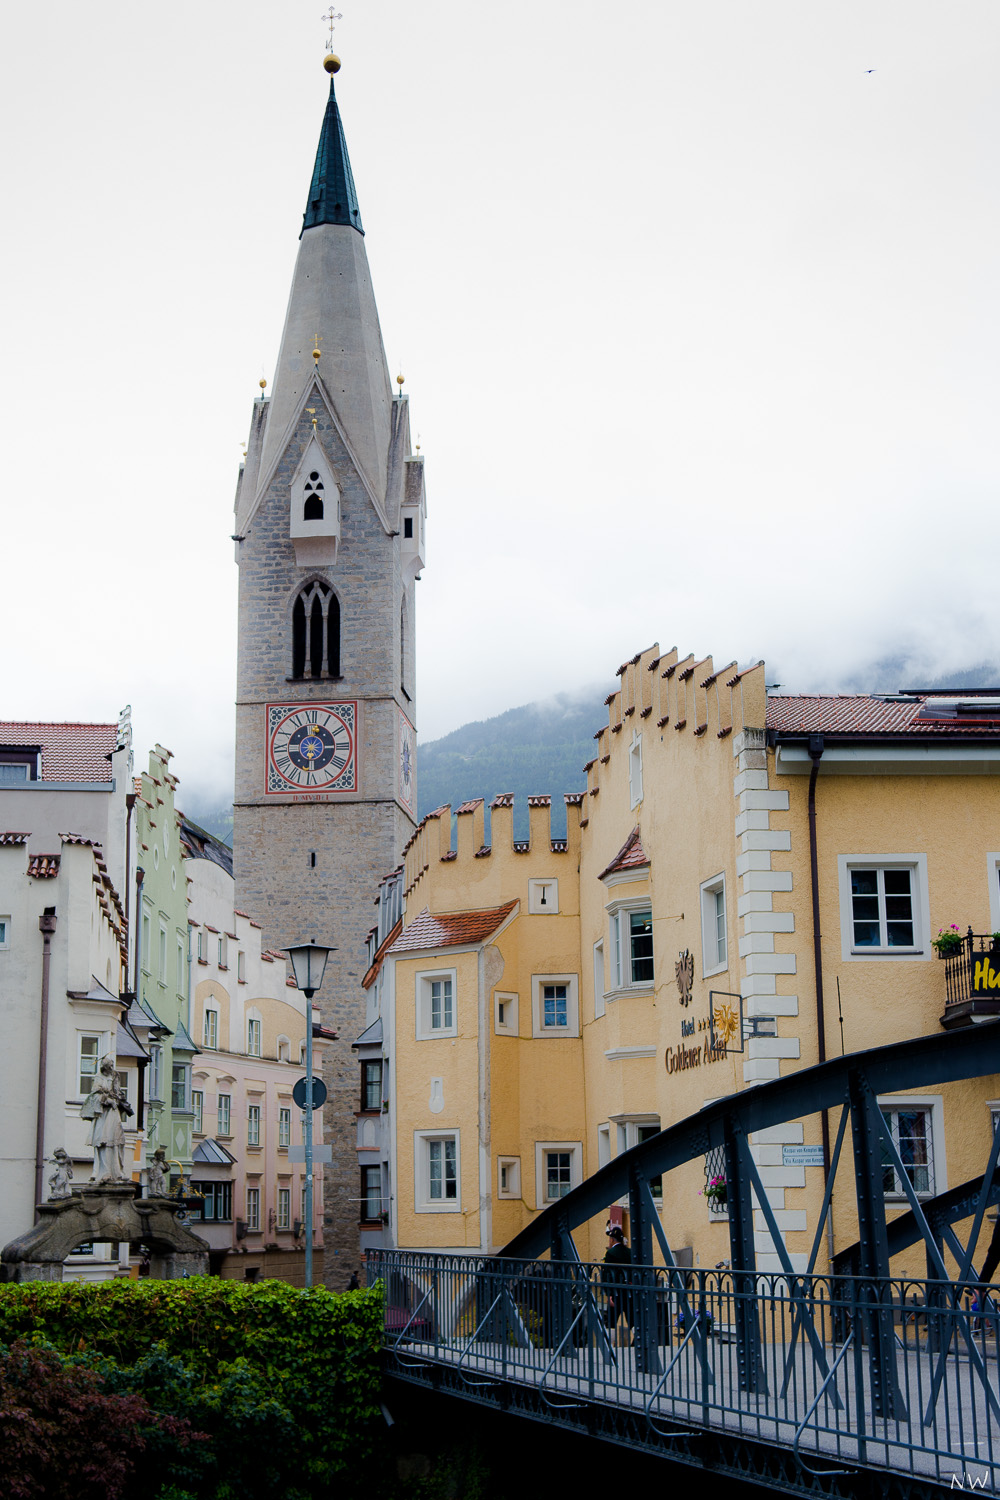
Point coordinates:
[(697, 306)]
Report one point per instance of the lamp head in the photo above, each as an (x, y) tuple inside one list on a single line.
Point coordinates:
[(309, 965)]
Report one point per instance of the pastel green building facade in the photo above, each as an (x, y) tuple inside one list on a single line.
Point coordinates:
[(162, 966)]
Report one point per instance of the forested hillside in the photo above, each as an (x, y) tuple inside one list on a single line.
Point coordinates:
[(537, 749)]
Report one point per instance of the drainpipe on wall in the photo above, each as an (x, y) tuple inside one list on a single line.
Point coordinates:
[(816, 747), (46, 926), (140, 875)]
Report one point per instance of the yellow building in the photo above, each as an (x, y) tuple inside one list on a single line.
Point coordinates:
[(778, 865)]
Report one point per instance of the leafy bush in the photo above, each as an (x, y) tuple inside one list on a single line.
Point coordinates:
[(284, 1382), (64, 1436)]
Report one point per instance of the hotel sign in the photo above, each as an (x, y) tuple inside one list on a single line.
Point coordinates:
[(985, 978)]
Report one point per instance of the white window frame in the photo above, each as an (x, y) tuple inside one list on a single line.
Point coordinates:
[(241, 967), (185, 1080), (934, 1103), (993, 879), (603, 1146), (156, 1072), (600, 983), (4, 932), (572, 1027), (255, 1036), (198, 1110), (422, 1142), (253, 1210), (505, 1013), (181, 977), (635, 770), (147, 940), (917, 865), (224, 1117), (630, 1131), (253, 1126), (508, 1177), (619, 914), (88, 1036), (423, 1001), (161, 962), (711, 961), (543, 898), (542, 1148), (284, 1127), (210, 1031), (283, 1218)]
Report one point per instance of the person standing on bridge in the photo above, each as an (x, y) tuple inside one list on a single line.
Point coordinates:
[(615, 1279)]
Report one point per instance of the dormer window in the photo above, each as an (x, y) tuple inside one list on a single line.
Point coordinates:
[(315, 509), (18, 765)]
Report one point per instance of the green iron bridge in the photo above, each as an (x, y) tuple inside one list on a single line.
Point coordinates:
[(842, 1384)]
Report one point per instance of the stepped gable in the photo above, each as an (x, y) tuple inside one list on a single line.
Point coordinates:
[(687, 695)]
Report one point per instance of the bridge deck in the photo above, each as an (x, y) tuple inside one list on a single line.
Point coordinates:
[(840, 1381), (962, 1438)]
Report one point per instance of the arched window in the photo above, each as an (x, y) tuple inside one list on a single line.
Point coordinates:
[(316, 632), (312, 510)]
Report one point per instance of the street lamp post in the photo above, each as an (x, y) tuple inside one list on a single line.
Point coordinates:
[(308, 966)]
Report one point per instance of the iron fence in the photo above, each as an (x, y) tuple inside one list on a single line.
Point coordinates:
[(960, 972), (845, 1372)]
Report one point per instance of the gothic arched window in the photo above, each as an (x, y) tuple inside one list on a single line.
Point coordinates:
[(312, 510), (316, 631)]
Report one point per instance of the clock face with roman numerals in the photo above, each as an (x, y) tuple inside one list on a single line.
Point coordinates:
[(311, 747)]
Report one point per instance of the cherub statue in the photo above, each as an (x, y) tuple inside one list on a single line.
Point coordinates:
[(106, 1105), (158, 1175), (60, 1179)]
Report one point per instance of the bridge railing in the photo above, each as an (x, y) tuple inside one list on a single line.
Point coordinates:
[(846, 1372)]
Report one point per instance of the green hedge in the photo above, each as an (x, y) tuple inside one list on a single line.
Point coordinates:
[(285, 1383)]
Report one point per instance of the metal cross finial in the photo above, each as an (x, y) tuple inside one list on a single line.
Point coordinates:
[(331, 16)]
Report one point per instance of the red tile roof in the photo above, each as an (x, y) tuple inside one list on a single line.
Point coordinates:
[(14, 838), (43, 866), (451, 929), (858, 715), (631, 856), (70, 752)]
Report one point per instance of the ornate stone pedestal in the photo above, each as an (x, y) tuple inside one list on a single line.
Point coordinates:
[(110, 1211)]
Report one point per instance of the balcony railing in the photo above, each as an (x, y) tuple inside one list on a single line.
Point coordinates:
[(972, 981)]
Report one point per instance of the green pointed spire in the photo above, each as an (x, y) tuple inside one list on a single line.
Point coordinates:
[(332, 196)]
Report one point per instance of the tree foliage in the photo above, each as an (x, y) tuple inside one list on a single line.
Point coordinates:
[(275, 1389)]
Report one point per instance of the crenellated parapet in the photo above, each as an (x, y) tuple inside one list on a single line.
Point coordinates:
[(432, 843), (684, 696)]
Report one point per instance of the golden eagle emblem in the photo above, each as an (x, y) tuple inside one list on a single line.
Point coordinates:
[(725, 1024)]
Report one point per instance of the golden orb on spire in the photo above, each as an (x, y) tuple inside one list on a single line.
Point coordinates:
[(262, 383), (317, 354), (331, 62), (399, 381)]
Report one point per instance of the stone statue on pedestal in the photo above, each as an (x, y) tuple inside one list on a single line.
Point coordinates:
[(158, 1175), (60, 1179), (106, 1105)]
